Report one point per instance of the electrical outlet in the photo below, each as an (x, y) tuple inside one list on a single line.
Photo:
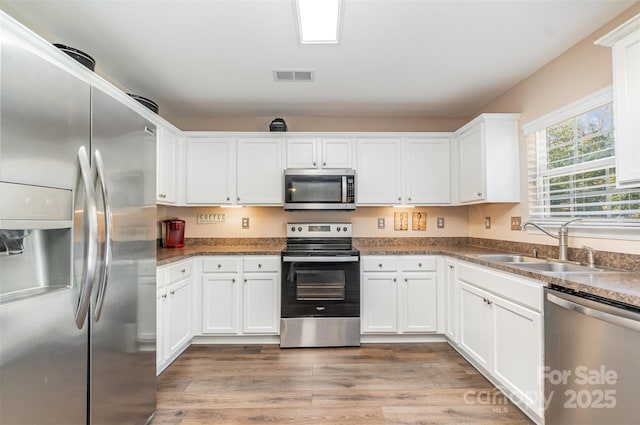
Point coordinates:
[(245, 222), (380, 222), (487, 222), (516, 223), (440, 222)]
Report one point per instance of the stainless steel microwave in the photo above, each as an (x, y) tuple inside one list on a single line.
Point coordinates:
[(319, 189)]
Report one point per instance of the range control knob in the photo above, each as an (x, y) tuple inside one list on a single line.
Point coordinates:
[(338, 229), (344, 229), (293, 228), (299, 229)]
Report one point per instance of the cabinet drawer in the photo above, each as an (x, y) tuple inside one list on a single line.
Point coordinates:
[(261, 264), (411, 263), (387, 263), (224, 264), (526, 292), (179, 271)]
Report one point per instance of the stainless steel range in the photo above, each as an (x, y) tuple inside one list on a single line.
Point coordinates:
[(320, 287)]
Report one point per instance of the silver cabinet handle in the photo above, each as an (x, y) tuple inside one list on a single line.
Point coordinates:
[(419, 264), (479, 193), (91, 238), (379, 265), (406, 280), (324, 164), (395, 280), (259, 266), (102, 289), (399, 198), (149, 130), (233, 281), (164, 295), (219, 265), (245, 280), (182, 270), (451, 267), (314, 164), (172, 292), (409, 198), (228, 199)]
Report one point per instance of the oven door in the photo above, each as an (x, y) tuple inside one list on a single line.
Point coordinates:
[(320, 287)]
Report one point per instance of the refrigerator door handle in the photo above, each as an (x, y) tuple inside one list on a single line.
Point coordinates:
[(90, 237), (104, 278)]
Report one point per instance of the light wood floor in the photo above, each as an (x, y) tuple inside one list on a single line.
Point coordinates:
[(373, 384)]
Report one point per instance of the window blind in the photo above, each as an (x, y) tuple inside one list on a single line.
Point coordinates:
[(571, 170)]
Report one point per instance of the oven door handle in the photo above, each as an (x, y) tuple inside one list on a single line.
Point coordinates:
[(287, 259)]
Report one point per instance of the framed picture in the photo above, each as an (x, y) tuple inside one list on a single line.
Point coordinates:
[(401, 221), (419, 220)]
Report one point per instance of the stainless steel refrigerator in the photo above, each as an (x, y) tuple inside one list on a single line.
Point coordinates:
[(77, 248)]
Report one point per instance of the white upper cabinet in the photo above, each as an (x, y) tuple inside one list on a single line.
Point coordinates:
[(427, 176), (625, 41), (397, 171), (211, 167), (379, 172), (260, 171), (489, 160), (166, 170), (320, 153)]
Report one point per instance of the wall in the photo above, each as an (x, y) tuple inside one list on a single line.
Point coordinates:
[(580, 71), (271, 221)]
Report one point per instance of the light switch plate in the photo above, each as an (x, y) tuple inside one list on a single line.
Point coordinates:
[(516, 223), (440, 222), (245, 222), (487, 222), (380, 222)]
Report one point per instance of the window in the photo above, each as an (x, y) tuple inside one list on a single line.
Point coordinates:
[(571, 163)]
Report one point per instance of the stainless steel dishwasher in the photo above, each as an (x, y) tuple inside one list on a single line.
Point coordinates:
[(592, 360)]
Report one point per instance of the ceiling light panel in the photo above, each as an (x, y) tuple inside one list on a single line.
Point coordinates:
[(318, 21)]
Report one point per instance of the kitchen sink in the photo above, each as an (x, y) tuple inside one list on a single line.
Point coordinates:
[(506, 258), (557, 267)]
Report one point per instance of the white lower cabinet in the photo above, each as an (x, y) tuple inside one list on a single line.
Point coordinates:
[(173, 312), (501, 330), (451, 300), (241, 295), (399, 294)]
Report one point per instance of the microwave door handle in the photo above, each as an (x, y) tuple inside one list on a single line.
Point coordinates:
[(344, 189)]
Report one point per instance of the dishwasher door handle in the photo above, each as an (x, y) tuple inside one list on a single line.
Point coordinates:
[(612, 318)]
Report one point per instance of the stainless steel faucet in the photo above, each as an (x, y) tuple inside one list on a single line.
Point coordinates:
[(591, 253), (562, 236)]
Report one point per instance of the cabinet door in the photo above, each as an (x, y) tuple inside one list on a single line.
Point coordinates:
[(337, 153), (517, 351), (626, 71), (260, 172), (427, 171), (475, 324), (220, 303), (210, 171), (165, 166), (472, 177), (379, 172), (379, 303), (161, 311), (417, 303), (451, 300), (178, 315), (302, 153), (261, 307)]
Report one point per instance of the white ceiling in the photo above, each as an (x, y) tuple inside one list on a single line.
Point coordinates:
[(396, 58)]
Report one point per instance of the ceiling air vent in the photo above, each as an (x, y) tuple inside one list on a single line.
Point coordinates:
[(292, 75)]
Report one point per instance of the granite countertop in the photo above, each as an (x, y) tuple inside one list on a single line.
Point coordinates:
[(623, 286), (171, 255)]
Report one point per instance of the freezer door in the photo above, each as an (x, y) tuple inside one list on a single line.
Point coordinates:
[(43, 354), (122, 377)]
